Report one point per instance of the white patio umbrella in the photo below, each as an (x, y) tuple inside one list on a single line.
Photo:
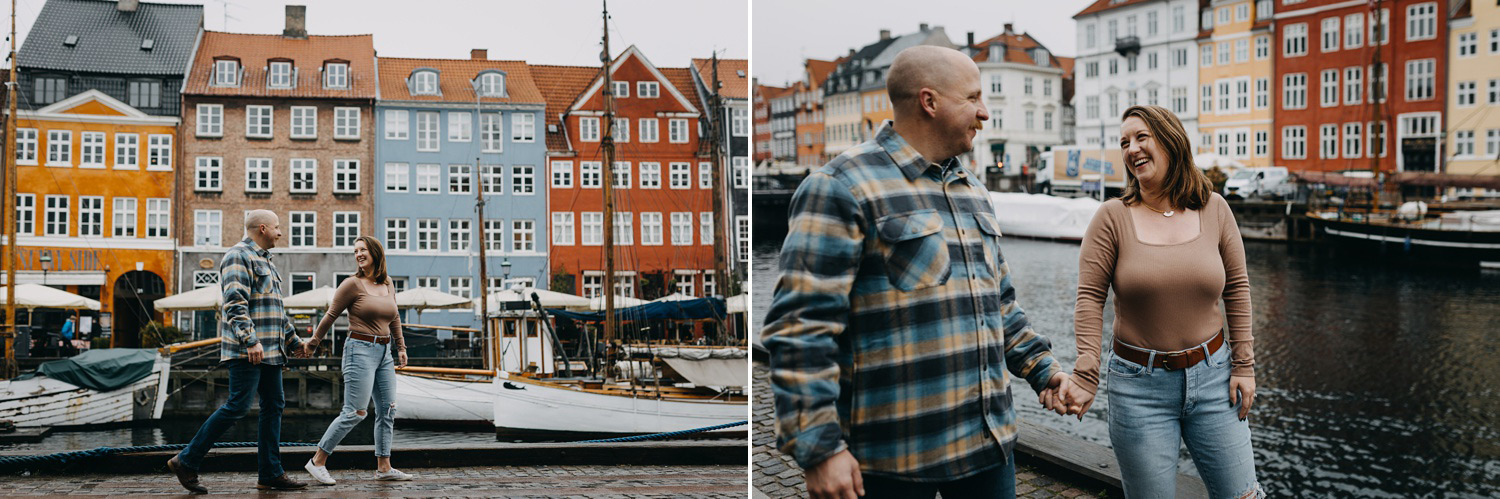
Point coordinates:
[(320, 298), (674, 297), (736, 304), (425, 298), (550, 299), (204, 298), (33, 296), (597, 303)]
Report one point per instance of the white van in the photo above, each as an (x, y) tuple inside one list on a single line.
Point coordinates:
[(1260, 182)]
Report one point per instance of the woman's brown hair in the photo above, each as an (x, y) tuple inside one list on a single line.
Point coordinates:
[(377, 260), (1183, 185)]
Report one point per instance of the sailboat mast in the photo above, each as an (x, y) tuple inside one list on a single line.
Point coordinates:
[(1377, 100), (8, 209), (492, 344), (607, 145), (715, 131)]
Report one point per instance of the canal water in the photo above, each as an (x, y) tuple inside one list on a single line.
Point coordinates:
[(1372, 381)]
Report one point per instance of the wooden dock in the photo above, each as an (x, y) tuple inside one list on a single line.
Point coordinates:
[(1067, 454)]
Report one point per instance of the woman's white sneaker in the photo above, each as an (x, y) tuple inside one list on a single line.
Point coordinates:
[(319, 473), (394, 474)]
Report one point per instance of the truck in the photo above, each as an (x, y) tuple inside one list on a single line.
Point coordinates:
[(1074, 171), (1263, 182)]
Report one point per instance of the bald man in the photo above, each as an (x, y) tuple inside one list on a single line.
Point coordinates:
[(255, 336), (894, 331)]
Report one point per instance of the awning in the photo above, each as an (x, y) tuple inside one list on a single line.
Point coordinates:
[(29, 296), (204, 298), (711, 372)]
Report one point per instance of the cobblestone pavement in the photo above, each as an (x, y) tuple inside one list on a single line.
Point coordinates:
[(776, 475), (497, 481)]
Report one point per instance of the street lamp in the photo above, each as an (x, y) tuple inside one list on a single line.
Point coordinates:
[(46, 266), (504, 271)]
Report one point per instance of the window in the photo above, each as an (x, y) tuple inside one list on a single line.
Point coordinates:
[(1420, 76), (427, 131), (706, 228), (460, 127), (593, 228), (1294, 142), (1379, 81), (1179, 58), (621, 130), (1206, 101), (1114, 67), (562, 174), (1090, 109), (346, 123), (50, 90), (1463, 143), (159, 152), (1179, 100), (494, 234), (59, 148), (345, 228), (1421, 21), (562, 228), (428, 282), (424, 83), (1494, 92), (682, 228), (1030, 120), (523, 127), (647, 89), (1495, 41), (458, 179), (740, 120), (1328, 141), (1467, 91), (651, 229), (1377, 138), (207, 174), (705, 175), (588, 129), (458, 234), (258, 121), (208, 228), (1206, 55), (740, 165), (304, 122), (1224, 53), (684, 284), (742, 236), (489, 132), (397, 177), (124, 216), (1179, 19), (491, 178), (1294, 40), (1353, 85), (650, 175), (280, 75), (26, 146), (144, 94), (1223, 143), (227, 73), (1294, 95), (1491, 148), (57, 216), (429, 177), (593, 285), (677, 131), (427, 234), (304, 175), (1090, 70), (336, 75), (91, 216), (623, 229), (1026, 85), (25, 214), (648, 129), (621, 173), (396, 126), (210, 120), (91, 150), (346, 176), (1468, 44), (1380, 29), (1089, 36), (709, 288), (523, 179), (257, 174), (622, 89), (1330, 88), (1262, 93), (1262, 143), (304, 229), (460, 286), (1150, 64), (396, 234), (1241, 50), (1331, 34), (1352, 140), (492, 85), (589, 174)]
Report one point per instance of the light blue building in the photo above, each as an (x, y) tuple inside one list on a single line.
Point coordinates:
[(437, 120)]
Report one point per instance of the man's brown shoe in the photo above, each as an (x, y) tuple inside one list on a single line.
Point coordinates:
[(186, 476), (280, 483)]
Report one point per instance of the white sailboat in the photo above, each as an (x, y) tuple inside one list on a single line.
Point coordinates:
[(45, 401)]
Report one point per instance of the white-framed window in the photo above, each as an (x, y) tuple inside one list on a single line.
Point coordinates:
[(345, 228), (592, 225), (1468, 92), (1294, 142), (621, 173), (523, 180), (1262, 93), (427, 234), (523, 127), (56, 222), (651, 228), (684, 284), (590, 174), (490, 125), (208, 227), (257, 174), (280, 75), (740, 119), (624, 229), (396, 234), (680, 175), (304, 122), (1328, 142), (91, 216), (562, 174), (427, 131), (647, 89), (1294, 40), (208, 174), (682, 228), (706, 228), (1420, 77), (336, 75), (1330, 88), (346, 176), (523, 236), (562, 228), (1380, 30), (304, 175), (304, 229), (459, 179), (649, 130), (226, 73), (346, 123), (397, 126), (127, 151), (1468, 44), (1331, 34), (1206, 101), (588, 129), (1224, 53), (1262, 143), (705, 175), (1495, 41), (1463, 143), (258, 121), (91, 150), (742, 236), (460, 127), (621, 130), (1179, 19), (1379, 82), (124, 216), (458, 234), (650, 175), (59, 148), (1353, 133), (210, 120), (1294, 95), (1421, 21), (159, 152), (429, 179), (1354, 84), (492, 84), (1224, 143), (1491, 143), (424, 83), (25, 214), (460, 286), (1242, 50), (494, 235), (740, 165), (430, 282), (397, 177), (712, 289), (677, 130), (26, 144), (491, 179), (621, 89), (1205, 55), (1354, 31)]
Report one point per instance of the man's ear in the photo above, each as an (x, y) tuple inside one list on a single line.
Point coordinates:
[(927, 99)]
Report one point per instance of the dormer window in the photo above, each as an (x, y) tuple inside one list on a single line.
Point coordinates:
[(647, 89), (336, 75), (227, 72), (622, 89), (492, 84), (280, 75), (1041, 57), (424, 83), (997, 53)]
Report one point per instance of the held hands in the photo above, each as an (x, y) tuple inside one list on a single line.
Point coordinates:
[(1065, 397), (1242, 393), (835, 478)]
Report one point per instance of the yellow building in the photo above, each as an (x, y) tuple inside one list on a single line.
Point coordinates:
[(876, 108), (1474, 98), (94, 205), (1234, 82)]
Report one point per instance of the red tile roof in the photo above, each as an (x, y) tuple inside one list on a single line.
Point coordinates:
[(560, 86), (734, 73), (455, 80), (818, 71), (307, 55), (768, 92), (1103, 5), (1067, 65), (1016, 46)]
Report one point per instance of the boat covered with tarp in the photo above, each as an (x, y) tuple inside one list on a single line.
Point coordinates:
[(110, 385)]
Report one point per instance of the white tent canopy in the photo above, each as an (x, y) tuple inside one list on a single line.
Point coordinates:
[(204, 298), (425, 298), (1209, 160), (550, 299), (597, 303), (30, 296), (321, 298), (736, 304)]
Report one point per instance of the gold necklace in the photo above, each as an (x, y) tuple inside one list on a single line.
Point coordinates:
[(1167, 213)]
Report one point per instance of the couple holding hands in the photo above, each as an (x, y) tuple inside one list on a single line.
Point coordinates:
[(895, 331)]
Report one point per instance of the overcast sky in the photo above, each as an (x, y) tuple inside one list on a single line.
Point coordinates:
[(565, 32), (788, 31)]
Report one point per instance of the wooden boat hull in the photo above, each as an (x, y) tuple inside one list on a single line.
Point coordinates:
[(526, 408), (1436, 245), (43, 401)]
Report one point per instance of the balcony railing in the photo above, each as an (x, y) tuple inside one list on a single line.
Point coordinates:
[(1128, 45)]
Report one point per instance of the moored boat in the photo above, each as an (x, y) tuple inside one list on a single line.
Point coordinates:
[(1455, 238), (116, 385)]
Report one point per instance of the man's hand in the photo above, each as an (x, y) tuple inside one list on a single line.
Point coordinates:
[(1051, 397), (1077, 399), (836, 478), (1242, 393), (255, 353), (401, 359)]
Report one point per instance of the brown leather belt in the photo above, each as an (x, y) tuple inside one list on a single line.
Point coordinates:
[(370, 338), (1171, 361)]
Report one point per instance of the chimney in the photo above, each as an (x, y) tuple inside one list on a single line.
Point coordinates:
[(971, 39), (885, 34), (479, 54), (922, 27), (128, 5), (1010, 29), (296, 22)]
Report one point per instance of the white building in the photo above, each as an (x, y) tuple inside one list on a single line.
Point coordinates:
[(1023, 89), (1135, 52)]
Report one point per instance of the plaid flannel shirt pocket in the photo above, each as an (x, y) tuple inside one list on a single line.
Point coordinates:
[(916, 253)]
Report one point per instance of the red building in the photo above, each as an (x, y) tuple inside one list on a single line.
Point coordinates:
[(662, 192), (1337, 107), (760, 108)]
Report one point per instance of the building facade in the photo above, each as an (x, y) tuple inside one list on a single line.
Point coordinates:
[(1135, 52), (784, 123), (761, 119), (810, 112), (734, 116), (96, 154), (447, 130), (1022, 85), (1474, 101), (1234, 75)]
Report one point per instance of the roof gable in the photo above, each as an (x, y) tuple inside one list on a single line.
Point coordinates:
[(633, 56), (455, 80), (733, 74), (110, 41), (306, 54), (94, 103)]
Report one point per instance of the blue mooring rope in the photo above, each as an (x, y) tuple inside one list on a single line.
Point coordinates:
[(669, 434)]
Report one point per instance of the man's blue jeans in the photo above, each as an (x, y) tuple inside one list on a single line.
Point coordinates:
[(245, 381), (995, 483)]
